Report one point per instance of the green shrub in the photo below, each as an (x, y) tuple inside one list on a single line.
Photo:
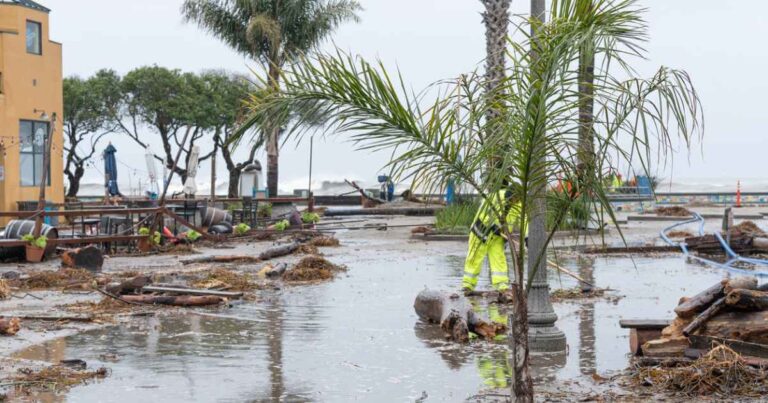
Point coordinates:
[(310, 218), (154, 239), (457, 216), (264, 210), (242, 228), (40, 242), (193, 235), (282, 225)]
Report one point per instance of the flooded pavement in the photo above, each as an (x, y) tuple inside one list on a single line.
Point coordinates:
[(357, 338)]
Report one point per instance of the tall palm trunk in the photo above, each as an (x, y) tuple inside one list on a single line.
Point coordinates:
[(273, 140), (496, 20), (586, 149)]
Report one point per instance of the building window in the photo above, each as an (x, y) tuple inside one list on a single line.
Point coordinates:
[(32, 137), (34, 38)]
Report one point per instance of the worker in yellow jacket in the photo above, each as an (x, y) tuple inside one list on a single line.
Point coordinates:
[(486, 239)]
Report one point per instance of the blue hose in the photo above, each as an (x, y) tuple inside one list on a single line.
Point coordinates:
[(733, 257)]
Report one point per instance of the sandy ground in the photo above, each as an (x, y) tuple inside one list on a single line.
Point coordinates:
[(394, 240)]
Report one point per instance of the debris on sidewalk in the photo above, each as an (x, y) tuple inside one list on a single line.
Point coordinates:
[(312, 268)]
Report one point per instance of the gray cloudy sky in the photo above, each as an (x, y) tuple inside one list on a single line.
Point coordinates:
[(428, 40)]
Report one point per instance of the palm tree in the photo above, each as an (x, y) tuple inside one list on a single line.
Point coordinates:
[(272, 32), (496, 20), (536, 143)]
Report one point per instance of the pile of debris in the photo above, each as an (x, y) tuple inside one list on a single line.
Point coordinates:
[(673, 211), (744, 238), (718, 343)]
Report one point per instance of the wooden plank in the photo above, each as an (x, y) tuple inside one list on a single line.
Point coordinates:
[(741, 347), (644, 323), (76, 241), (192, 291)]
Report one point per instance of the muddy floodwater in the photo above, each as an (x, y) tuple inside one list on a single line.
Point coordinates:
[(357, 338)]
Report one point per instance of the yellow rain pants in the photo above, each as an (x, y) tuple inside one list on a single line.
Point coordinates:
[(497, 259)]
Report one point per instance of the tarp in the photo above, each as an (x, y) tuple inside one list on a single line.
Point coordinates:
[(190, 187), (110, 170)]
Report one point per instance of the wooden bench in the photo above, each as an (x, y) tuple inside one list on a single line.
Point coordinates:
[(642, 331)]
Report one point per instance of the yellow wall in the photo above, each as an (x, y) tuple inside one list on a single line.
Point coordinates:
[(29, 82)]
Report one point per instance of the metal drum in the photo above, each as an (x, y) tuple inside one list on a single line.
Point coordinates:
[(213, 216), (18, 228)]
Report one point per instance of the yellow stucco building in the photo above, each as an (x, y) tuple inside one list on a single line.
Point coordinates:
[(30, 93)]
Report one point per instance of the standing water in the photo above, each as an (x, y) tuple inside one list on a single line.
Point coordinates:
[(357, 338)]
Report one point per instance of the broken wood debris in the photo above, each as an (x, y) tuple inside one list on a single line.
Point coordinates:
[(454, 314), (180, 300), (268, 254), (89, 258), (9, 326)]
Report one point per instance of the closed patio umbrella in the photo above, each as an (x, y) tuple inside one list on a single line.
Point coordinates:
[(190, 187), (110, 170), (152, 172)]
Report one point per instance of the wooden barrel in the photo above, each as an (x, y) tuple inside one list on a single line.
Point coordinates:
[(18, 228), (213, 216)]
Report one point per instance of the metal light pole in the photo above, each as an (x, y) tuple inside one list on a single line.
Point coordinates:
[(543, 336)]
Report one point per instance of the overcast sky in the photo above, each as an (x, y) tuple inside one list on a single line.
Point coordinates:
[(431, 40)]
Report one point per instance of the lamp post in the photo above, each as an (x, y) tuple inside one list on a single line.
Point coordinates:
[(543, 335)]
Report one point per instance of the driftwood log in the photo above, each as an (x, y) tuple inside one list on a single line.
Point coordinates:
[(454, 314), (703, 317), (182, 300), (9, 326), (278, 251), (745, 326), (130, 286), (688, 308), (276, 270), (268, 254), (747, 300), (192, 291), (89, 258), (709, 244)]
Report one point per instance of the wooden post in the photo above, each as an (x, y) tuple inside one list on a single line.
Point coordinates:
[(44, 176)]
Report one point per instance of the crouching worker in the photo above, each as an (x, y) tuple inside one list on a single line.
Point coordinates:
[(486, 238)]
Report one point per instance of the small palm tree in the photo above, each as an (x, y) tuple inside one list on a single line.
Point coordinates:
[(533, 145), (272, 32)]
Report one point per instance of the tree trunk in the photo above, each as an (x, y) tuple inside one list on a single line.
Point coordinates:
[(74, 180), (234, 183), (273, 140), (181, 300), (523, 383)]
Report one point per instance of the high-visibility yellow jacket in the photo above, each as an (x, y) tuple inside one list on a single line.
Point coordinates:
[(486, 221)]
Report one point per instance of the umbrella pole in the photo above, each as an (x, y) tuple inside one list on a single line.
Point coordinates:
[(44, 179)]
